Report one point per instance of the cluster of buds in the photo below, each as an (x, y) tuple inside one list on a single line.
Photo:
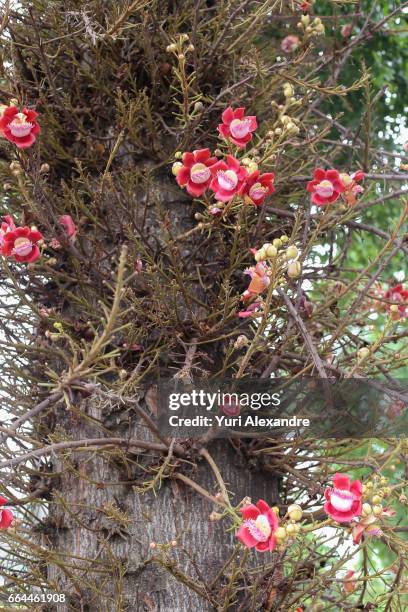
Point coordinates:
[(372, 510), (288, 531), (181, 47), (311, 28)]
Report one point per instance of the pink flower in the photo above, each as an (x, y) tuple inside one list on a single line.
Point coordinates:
[(346, 30), (349, 582), (369, 526), (19, 127), (351, 187), (6, 226), (343, 501), (251, 309), (290, 43), (6, 515), (21, 243), (228, 178), (259, 279), (398, 295), (196, 173), (259, 526), (257, 186), (69, 226), (236, 127), (326, 186)]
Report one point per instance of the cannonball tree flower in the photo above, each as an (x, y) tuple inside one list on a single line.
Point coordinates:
[(343, 500), (259, 526), (228, 178), (370, 525), (21, 243), (68, 225), (325, 187), (6, 515), (259, 279), (290, 43), (257, 186), (398, 295), (7, 225), (195, 173), (351, 186), (237, 127), (21, 128)]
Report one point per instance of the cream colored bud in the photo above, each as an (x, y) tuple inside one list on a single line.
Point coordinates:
[(292, 252), (291, 529), (295, 512), (7, 186), (317, 21), (240, 342), (122, 374), (305, 20), (44, 168), (294, 269), (15, 167), (320, 28), (278, 131), (285, 119), (377, 499), (277, 242), (394, 308), (377, 510), (363, 353), (288, 90), (181, 56), (271, 251), (190, 48), (171, 48), (280, 533), (366, 509), (260, 255), (178, 155), (198, 107), (284, 239), (176, 167), (184, 37), (252, 167)]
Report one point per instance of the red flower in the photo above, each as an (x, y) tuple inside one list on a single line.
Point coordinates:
[(236, 127), (6, 226), (6, 516), (228, 178), (20, 127), (344, 499), (67, 222), (196, 173), (398, 295), (351, 187), (257, 186), (259, 526), (326, 186), (259, 280), (21, 243)]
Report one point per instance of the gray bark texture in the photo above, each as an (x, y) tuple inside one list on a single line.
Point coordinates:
[(105, 563)]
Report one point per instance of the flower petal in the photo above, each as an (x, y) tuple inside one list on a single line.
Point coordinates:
[(341, 481), (245, 537)]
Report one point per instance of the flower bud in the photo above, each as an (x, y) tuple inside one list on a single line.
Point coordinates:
[(260, 255), (178, 155), (280, 533), (294, 269), (363, 353), (176, 167), (366, 510), (122, 374), (198, 107), (292, 252), (271, 251), (277, 243), (376, 499), (16, 168), (13, 102), (290, 529), (190, 48), (7, 186), (305, 20), (181, 56), (288, 90), (252, 167), (284, 239), (44, 168), (171, 48), (184, 37), (295, 512), (240, 342)]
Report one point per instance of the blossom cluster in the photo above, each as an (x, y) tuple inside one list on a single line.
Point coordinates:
[(344, 503), (199, 171)]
